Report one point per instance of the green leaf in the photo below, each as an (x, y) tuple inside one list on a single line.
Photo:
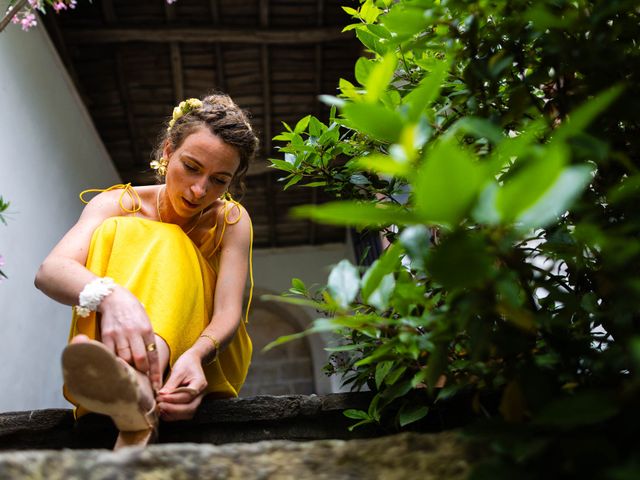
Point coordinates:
[(427, 91), (379, 77), (355, 214), (416, 240), (302, 124), (447, 184), (369, 12), (344, 283), (302, 302), (411, 413), (371, 41), (524, 188), (580, 118), (382, 351), (351, 11), (380, 297), (462, 260), (314, 184), (363, 70), (382, 369), (355, 414), (478, 127), (405, 21), (383, 164), (316, 127), (395, 375), (387, 263), (585, 408), (282, 165), (359, 424), (298, 284), (375, 120), (517, 146), (295, 179), (558, 198), (390, 394), (436, 364)]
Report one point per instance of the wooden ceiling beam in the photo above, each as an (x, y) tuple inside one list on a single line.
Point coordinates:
[(123, 88), (260, 36), (270, 193), (177, 76), (215, 18), (110, 18), (319, 67)]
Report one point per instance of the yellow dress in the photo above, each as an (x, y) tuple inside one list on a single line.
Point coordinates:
[(175, 281)]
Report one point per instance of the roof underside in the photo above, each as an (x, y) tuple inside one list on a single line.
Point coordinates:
[(133, 60)]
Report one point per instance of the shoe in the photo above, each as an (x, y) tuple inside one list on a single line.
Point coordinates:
[(103, 383)]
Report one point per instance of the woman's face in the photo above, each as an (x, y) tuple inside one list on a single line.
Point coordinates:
[(199, 172)]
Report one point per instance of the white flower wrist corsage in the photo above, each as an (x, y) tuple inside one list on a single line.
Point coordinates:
[(92, 295)]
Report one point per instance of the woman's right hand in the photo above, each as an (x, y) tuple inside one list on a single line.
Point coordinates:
[(126, 330)]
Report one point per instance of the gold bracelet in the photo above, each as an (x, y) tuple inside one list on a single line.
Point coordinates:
[(216, 344)]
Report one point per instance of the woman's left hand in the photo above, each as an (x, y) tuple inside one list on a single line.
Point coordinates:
[(182, 393)]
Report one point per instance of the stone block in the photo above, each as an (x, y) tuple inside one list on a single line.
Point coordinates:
[(406, 456)]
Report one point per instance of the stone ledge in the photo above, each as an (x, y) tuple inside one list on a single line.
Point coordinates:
[(290, 417), (403, 456)]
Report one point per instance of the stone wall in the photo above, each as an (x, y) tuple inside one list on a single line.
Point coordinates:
[(405, 456)]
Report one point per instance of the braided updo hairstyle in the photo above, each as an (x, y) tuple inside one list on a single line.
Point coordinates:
[(223, 118)]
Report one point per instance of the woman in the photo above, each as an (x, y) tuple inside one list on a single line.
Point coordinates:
[(157, 274)]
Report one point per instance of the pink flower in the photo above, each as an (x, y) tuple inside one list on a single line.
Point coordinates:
[(171, 1), (28, 21), (57, 6), (72, 4)]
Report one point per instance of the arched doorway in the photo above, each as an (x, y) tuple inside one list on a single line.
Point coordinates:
[(285, 369)]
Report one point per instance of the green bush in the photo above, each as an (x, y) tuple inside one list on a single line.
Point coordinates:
[(513, 265)]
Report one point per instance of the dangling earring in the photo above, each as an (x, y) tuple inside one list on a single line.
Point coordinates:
[(160, 166)]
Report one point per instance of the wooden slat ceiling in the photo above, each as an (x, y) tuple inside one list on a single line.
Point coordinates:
[(133, 60)]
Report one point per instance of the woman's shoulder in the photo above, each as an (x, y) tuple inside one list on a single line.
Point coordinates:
[(119, 199)]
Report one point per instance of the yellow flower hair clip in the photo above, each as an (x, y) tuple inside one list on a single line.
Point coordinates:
[(183, 108), (160, 166)]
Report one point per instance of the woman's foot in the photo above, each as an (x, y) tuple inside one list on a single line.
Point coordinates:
[(104, 383)]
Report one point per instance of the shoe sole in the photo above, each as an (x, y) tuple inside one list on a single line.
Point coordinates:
[(101, 383)]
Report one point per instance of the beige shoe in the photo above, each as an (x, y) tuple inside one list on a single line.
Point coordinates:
[(103, 383)]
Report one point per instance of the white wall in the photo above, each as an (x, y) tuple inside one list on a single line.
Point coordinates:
[(49, 152)]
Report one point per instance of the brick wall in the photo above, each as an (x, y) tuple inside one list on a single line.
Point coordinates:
[(286, 369)]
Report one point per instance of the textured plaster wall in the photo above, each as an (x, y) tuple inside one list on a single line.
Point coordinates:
[(49, 152)]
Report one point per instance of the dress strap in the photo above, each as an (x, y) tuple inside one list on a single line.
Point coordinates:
[(227, 211), (126, 188)]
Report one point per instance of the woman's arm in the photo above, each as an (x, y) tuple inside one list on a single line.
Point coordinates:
[(62, 276), (187, 371)]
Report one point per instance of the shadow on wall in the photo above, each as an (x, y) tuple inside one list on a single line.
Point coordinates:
[(286, 369)]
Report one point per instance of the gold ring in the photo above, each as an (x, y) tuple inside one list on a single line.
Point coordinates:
[(151, 347)]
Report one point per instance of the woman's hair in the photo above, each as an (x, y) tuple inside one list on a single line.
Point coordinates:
[(223, 118)]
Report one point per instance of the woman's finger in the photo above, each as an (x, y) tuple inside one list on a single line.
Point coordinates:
[(179, 395), (124, 352), (153, 360), (139, 353), (179, 411)]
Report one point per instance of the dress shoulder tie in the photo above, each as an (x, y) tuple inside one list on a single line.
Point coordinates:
[(235, 205), (126, 188)]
